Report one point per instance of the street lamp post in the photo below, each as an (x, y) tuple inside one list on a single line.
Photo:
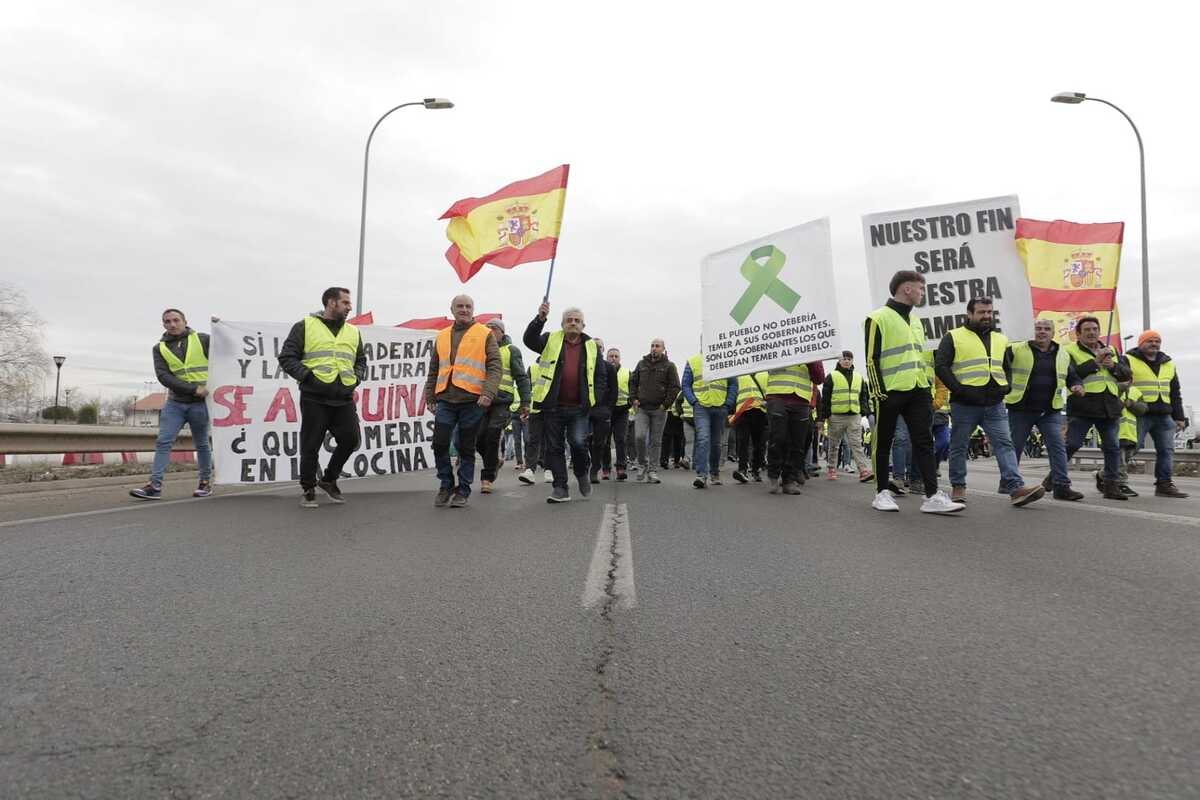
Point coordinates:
[(428, 102), (1074, 98), (58, 362)]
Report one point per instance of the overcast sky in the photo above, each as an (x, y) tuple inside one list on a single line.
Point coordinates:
[(209, 155)]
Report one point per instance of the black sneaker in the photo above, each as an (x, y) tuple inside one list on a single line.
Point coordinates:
[(151, 491), (331, 488), (699, 483), (442, 499), (739, 477), (585, 489), (594, 478), (1066, 493), (458, 501), (1127, 490), (757, 476), (308, 499), (559, 496)]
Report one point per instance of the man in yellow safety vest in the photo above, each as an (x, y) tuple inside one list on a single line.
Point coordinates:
[(1093, 377), (844, 400), (514, 388), (619, 429), (970, 360), (1155, 377), (573, 380), (324, 353), (712, 401), (900, 388), (181, 365)]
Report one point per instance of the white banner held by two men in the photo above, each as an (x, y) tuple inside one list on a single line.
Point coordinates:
[(964, 250), (255, 406), (770, 303)]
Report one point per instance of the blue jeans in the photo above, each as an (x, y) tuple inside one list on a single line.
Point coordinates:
[(1050, 423), (566, 427), (172, 419), (901, 450), (462, 420), (710, 428), (994, 421), (1162, 432), (1110, 443)]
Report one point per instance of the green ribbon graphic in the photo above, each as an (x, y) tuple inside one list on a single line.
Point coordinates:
[(764, 280)]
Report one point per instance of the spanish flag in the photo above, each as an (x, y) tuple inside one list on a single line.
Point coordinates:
[(1073, 270), (516, 224)]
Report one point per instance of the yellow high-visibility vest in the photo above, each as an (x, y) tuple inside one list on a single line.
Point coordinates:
[(1022, 367), (330, 357), (901, 366), (1098, 382), (549, 360), (194, 366), (1153, 387), (845, 394), (710, 394), (790, 380), (973, 364)]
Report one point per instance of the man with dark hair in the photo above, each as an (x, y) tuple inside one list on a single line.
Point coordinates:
[(1093, 376), (844, 399), (653, 387), (619, 429), (324, 353), (513, 390), (602, 415), (900, 387), (972, 362), (181, 365)]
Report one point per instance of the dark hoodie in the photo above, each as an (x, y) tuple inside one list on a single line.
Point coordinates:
[(291, 356), (864, 396), (654, 382), (178, 389), (1174, 406)]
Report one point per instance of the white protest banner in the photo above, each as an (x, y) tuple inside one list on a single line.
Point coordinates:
[(964, 250), (769, 303), (255, 406)]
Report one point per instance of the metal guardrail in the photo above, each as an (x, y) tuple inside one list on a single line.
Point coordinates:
[(1094, 454), (42, 439)]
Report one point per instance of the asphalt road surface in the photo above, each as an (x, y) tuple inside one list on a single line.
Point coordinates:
[(655, 641)]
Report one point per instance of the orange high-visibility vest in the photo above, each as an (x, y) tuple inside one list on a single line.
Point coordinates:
[(469, 369)]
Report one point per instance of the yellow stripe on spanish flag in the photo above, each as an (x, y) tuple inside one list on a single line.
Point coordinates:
[(514, 225)]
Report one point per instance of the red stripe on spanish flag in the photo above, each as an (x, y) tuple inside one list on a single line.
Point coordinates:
[(1073, 270), (511, 226)]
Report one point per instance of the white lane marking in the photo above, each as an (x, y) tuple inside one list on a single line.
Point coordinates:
[(1171, 519), (597, 577), (135, 505), (624, 588)]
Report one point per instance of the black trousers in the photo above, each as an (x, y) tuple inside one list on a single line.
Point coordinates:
[(535, 451), (751, 430), (618, 432), (916, 406), (601, 439), (316, 420), (488, 441), (673, 442), (788, 426)]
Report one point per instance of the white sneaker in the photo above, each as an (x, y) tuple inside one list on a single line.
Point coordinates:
[(526, 477), (885, 501), (940, 503), (548, 477)]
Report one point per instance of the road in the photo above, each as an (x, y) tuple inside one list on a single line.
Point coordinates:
[(655, 641)]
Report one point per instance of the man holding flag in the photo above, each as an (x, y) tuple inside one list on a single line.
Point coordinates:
[(1093, 377), (572, 380)]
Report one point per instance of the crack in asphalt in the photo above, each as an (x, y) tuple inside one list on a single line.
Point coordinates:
[(606, 764)]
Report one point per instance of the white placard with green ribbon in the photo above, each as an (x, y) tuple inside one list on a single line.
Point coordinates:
[(770, 302)]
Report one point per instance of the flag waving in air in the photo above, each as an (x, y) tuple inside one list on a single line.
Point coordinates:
[(516, 224), (1073, 271)]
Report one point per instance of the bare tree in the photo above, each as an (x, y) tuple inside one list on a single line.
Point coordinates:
[(23, 358)]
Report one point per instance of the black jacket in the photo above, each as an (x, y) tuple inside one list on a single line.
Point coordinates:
[(604, 406), (864, 396), (535, 340), (1174, 406), (654, 383), (178, 389), (311, 387), (1095, 406), (987, 395)]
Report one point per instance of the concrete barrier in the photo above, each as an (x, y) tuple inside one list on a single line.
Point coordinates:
[(66, 439)]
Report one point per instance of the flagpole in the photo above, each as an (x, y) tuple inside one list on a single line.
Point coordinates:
[(546, 296)]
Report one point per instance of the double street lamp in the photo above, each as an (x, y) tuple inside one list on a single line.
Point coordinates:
[(58, 362), (428, 102), (1075, 98)]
